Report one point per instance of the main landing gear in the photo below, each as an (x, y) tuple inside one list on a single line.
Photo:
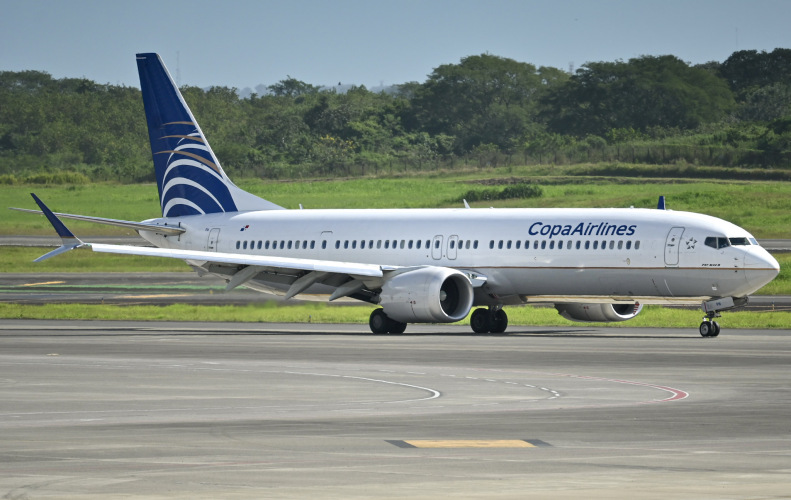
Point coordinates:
[(492, 320), (380, 323)]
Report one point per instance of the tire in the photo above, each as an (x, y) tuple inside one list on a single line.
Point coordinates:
[(499, 322), (706, 329), (378, 322), (396, 327), (480, 321)]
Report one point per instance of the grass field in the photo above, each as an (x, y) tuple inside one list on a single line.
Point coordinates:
[(763, 208)]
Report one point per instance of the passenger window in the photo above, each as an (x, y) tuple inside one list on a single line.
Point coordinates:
[(637, 245), (403, 243), (500, 245), (418, 244), (560, 245), (491, 244), (338, 244), (518, 242), (620, 245), (579, 243), (552, 245), (387, 244), (596, 245), (238, 244), (244, 245), (410, 244), (475, 245), (370, 244), (543, 245), (629, 244), (587, 245), (467, 247), (535, 245), (436, 244), (527, 244)]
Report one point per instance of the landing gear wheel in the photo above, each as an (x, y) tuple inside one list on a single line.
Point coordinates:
[(499, 322), (480, 321), (709, 329), (378, 322), (396, 327)]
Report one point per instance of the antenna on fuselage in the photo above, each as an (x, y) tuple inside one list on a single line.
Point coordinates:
[(661, 204)]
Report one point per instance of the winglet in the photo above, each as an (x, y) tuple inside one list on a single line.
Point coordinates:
[(661, 204), (69, 241)]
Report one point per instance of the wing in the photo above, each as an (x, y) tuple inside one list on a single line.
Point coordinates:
[(299, 274)]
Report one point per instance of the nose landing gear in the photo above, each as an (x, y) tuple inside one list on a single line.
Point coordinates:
[(709, 328), (712, 308)]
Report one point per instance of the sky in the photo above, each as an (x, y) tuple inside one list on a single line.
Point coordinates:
[(245, 43)]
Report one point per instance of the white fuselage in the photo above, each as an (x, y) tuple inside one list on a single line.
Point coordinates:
[(526, 255)]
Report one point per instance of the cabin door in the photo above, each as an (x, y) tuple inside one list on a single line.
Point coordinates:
[(672, 244), (214, 237)]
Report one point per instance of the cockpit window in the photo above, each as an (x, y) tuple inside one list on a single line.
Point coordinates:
[(739, 241), (754, 241), (714, 242)]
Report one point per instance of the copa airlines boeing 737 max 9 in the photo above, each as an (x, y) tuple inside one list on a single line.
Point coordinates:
[(428, 266)]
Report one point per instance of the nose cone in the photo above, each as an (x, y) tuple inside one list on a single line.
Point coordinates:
[(760, 267)]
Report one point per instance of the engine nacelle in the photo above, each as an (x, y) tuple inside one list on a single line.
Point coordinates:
[(599, 312), (427, 295)]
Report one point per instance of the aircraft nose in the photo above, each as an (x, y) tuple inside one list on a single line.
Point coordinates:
[(761, 267)]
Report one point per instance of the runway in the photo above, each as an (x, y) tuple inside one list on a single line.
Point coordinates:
[(195, 410)]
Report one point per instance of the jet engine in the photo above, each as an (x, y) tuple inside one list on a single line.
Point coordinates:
[(599, 312), (427, 295)]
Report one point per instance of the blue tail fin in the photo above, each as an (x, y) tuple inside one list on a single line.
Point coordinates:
[(189, 176)]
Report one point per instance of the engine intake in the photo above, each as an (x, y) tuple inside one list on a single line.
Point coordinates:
[(599, 312), (427, 295)]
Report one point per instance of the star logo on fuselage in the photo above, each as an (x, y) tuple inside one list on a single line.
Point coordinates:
[(691, 243)]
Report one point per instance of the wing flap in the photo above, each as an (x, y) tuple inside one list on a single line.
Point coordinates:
[(348, 268)]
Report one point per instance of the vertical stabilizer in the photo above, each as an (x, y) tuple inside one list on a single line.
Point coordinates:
[(189, 176)]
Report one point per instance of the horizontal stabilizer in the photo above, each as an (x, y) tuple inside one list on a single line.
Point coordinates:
[(137, 226)]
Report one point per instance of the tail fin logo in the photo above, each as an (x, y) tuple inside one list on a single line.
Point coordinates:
[(190, 179)]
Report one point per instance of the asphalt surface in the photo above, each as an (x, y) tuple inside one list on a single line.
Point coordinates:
[(192, 410)]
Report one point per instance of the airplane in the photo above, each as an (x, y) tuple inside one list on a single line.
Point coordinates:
[(426, 265)]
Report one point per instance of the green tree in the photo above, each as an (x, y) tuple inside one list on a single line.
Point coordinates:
[(645, 92)]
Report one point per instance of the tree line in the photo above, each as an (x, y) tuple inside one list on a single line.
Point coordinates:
[(484, 110)]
